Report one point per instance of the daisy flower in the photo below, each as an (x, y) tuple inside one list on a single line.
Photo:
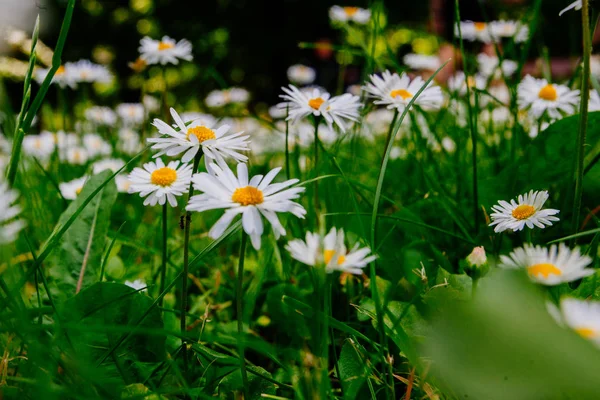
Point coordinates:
[(112, 164), (189, 139), (252, 198), (395, 91), (422, 62), (165, 51), (594, 103), (349, 14), (541, 97), (151, 103), (65, 76), (77, 155), (490, 66), (194, 116), (101, 116), (473, 31), (159, 183), (576, 5), (123, 183), (330, 251), (131, 113), (458, 83), (582, 316), (87, 71), (10, 226), (129, 141), (220, 98), (301, 74), (277, 112), (40, 146), (527, 210), (549, 266), (138, 284), (70, 190), (516, 30), (333, 109), (95, 145)]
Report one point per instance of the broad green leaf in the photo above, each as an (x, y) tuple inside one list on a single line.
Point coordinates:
[(352, 370), (257, 386)]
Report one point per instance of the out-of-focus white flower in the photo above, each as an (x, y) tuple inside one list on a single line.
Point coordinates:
[(356, 89), (151, 103), (422, 62), (301, 74), (123, 183), (87, 71), (77, 155), (95, 145), (277, 112), (198, 117), (129, 141), (10, 225), (490, 66), (459, 82), (101, 116), (165, 51), (112, 164), (594, 104), (70, 190), (65, 76), (131, 113), (220, 98), (350, 14), (39, 146), (576, 5)]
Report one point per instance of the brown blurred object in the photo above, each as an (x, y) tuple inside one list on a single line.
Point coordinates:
[(323, 49)]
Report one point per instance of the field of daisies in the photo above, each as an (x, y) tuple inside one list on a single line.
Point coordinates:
[(429, 231)]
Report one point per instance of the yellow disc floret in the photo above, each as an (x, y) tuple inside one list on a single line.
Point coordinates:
[(587, 333), (548, 92), (165, 46), (247, 196), (350, 11), (523, 211), (405, 94), (479, 26), (328, 255), (164, 176), (202, 133), (316, 102), (543, 269)]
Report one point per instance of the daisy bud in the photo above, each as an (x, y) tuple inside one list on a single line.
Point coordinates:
[(475, 264)]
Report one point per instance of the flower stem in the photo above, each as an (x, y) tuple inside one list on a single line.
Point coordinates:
[(186, 260), (163, 269), (583, 114), (389, 134), (316, 169), (287, 138), (239, 289)]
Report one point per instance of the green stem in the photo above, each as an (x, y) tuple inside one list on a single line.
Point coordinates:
[(163, 267), (287, 138), (474, 287), (328, 316), (583, 119), (389, 134), (316, 169), (239, 289)]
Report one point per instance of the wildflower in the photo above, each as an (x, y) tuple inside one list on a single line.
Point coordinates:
[(112, 164), (189, 139), (583, 316), (330, 251), (70, 190), (576, 5), (477, 258), (252, 198), (95, 145), (165, 51), (151, 103), (333, 109), (395, 91), (123, 183), (473, 31), (193, 116), (159, 183), (129, 141), (594, 103), (516, 30), (527, 211), (65, 76), (40, 146), (541, 97), (77, 155), (10, 225), (101, 116), (87, 71), (131, 113), (350, 14), (491, 66), (422, 62), (138, 284), (549, 266), (459, 82), (301, 74), (220, 98)]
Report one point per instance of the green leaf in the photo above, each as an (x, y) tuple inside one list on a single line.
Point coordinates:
[(352, 370), (78, 261), (257, 385)]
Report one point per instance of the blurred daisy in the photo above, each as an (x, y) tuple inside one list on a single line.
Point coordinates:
[(101, 116), (159, 183), (70, 190), (594, 103), (220, 98), (354, 89), (583, 316), (576, 5), (165, 51), (422, 62), (349, 14), (151, 103), (458, 83), (301, 74), (526, 211), (395, 91), (131, 113), (330, 251), (549, 266), (490, 66), (189, 139), (129, 141), (277, 112), (77, 155), (473, 31), (112, 164), (333, 109), (87, 71), (95, 145), (194, 116), (10, 226), (138, 284), (516, 30), (123, 183), (539, 97), (252, 198), (39, 146), (65, 76)]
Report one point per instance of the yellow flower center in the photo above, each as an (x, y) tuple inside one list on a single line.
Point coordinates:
[(479, 26), (202, 133), (405, 94), (328, 255), (247, 196), (587, 333), (350, 11), (78, 190), (548, 92), (543, 269), (164, 176), (523, 211), (37, 144), (165, 46), (60, 70), (316, 102)]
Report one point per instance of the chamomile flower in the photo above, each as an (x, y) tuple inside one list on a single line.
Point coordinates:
[(549, 266), (301, 74), (165, 51), (490, 66), (576, 5), (101, 116), (594, 103), (77, 155), (473, 31), (516, 30), (330, 251), (10, 225), (112, 164), (539, 97), (458, 83), (189, 139), (87, 71), (252, 198), (220, 98), (70, 190), (40, 146), (131, 113), (129, 141), (527, 210), (333, 109), (422, 62), (583, 316), (65, 76), (138, 284), (395, 91), (159, 183), (350, 14), (95, 145), (151, 103), (123, 183), (277, 112)]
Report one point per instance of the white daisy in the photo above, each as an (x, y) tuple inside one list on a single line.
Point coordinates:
[(70, 190), (539, 97), (526, 211), (277, 112), (215, 144), (458, 83), (473, 31), (330, 251), (194, 116), (165, 51), (333, 109), (250, 197), (123, 183), (220, 98), (10, 225), (355, 89), (131, 113), (40, 146), (151, 103), (594, 103), (350, 14), (87, 71), (101, 116), (549, 266), (112, 164), (490, 66), (160, 183), (65, 76), (422, 62), (96, 145), (576, 5), (516, 30), (395, 91), (77, 155), (583, 317), (301, 74), (138, 285), (129, 141)]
